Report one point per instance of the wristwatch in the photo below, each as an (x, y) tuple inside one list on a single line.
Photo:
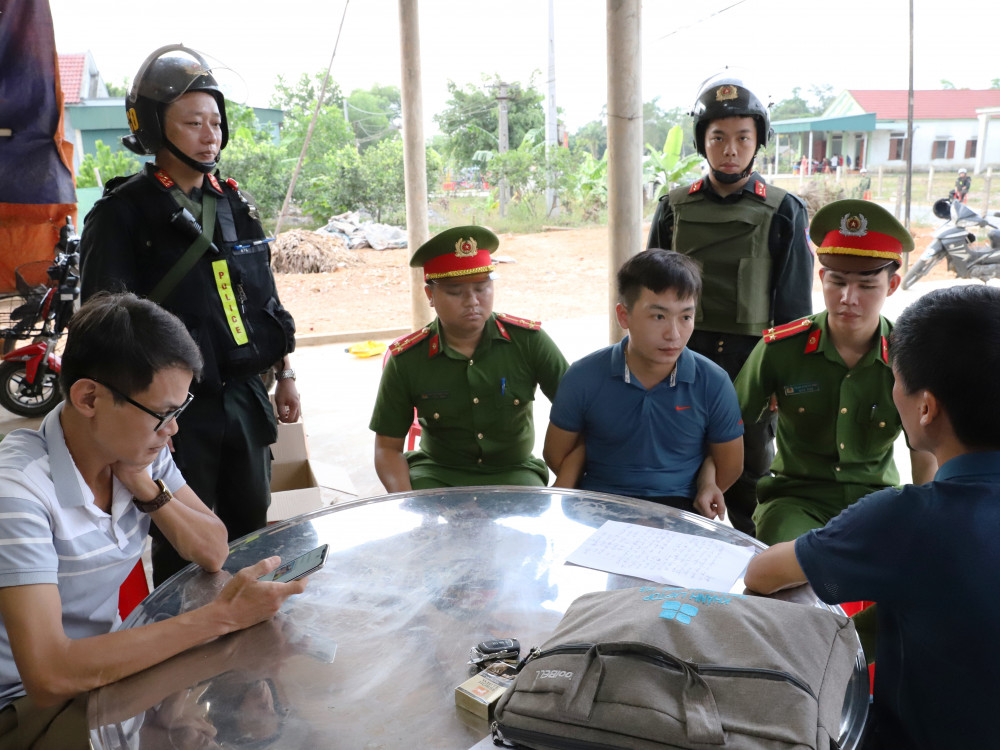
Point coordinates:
[(285, 375), (148, 506)]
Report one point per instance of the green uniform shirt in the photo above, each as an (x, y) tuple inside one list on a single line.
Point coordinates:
[(475, 412), (836, 427)]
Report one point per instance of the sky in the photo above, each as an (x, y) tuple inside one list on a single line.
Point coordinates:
[(775, 45)]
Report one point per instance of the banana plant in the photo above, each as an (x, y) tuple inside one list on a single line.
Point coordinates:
[(668, 168)]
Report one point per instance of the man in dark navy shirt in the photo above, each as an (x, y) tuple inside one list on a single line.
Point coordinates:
[(926, 554)]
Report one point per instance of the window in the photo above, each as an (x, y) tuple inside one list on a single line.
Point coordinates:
[(970, 148), (943, 148), (897, 146)]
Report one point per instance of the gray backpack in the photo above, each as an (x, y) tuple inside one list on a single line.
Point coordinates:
[(653, 667)]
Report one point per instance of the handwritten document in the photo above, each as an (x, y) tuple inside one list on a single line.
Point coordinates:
[(663, 556)]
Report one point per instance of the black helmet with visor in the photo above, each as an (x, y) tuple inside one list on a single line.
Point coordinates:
[(726, 96), (165, 76)]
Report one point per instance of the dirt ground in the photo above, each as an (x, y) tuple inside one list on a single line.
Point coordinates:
[(551, 275)]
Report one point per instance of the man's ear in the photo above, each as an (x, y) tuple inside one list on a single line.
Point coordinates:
[(930, 408), (622, 314), (82, 395), (894, 281), (427, 291)]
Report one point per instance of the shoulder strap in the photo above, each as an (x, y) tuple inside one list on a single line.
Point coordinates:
[(192, 255)]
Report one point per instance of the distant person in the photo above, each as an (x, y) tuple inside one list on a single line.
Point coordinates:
[(926, 554), (828, 378), (219, 282), (78, 497), (749, 239), (471, 375), (641, 417), (864, 188), (962, 185)]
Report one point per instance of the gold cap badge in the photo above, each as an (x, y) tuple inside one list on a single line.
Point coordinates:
[(854, 226), (466, 248), (725, 93)]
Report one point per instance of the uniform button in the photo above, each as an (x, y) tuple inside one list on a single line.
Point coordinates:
[(517, 402), (841, 446), (471, 362), (801, 409), (480, 436), (475, 400), (836, 468), (436, 415), (479, 460), (881, 424), (844, 410), (719, 349), (721, 342), (847, 375)]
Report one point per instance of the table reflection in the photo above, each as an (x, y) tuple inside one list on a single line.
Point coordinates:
[(370, 655)]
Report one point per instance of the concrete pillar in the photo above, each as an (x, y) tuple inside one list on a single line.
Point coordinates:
[(625, 238), (414, 153)]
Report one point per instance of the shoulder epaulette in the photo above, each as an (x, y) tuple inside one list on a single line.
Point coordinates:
[(531, 325), (408, 341), (786, 330)]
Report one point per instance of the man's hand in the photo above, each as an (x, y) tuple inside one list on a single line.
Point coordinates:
[(245, 601), (286, 401), (136, 478), (710, 501)]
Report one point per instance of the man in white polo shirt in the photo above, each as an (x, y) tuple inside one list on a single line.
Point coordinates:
[(77, 498)]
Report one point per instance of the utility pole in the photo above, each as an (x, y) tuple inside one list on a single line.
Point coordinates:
[(502, 142), (414, 153), (551, 122)]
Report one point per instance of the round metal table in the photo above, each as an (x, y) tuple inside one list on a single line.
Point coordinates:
[(370, 655)]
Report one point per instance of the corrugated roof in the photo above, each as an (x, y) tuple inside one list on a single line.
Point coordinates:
[(946, 104), (71, 76)]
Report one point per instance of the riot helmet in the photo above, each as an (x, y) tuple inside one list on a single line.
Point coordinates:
[(165, 76), (726, 96)]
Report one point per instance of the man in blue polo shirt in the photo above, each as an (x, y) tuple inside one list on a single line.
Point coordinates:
[(647, 417), (927, 554), (77, 498)]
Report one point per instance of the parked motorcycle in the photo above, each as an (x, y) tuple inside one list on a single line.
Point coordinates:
[(29, 374), (955, 240)]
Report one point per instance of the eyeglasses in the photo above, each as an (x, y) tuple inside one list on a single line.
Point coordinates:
[(162, 419)]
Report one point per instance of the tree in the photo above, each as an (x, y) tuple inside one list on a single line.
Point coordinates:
[(592, 137), (120, 91), (796, 106), (259, 165), (374, 114), (666, 167), (470, 119), (106, 163), (657, 123)]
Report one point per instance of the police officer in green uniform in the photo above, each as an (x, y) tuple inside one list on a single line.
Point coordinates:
[(145, 235), (750, 240), (471, 376), (828, 377)]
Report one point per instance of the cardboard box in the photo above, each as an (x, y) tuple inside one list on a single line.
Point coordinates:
[(298, 483), (479, 694)]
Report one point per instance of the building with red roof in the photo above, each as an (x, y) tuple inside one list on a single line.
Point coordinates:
[(952, 128)]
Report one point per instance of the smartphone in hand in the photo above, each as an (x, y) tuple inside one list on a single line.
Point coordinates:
[(301, 566)]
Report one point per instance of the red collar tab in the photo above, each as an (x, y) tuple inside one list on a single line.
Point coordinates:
[(812, 343), (503, 331), (696, 186), (403, 343), (214, 183), (784, 331), (760, 188), (885, 350), (435, 346), (163, 178)]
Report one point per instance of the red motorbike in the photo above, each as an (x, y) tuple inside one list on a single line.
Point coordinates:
[(29, 373)]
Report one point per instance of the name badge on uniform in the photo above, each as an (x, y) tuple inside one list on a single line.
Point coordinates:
[(438, 394), (799, 388)]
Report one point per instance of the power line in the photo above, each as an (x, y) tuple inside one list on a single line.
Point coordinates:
[(702, 20)]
